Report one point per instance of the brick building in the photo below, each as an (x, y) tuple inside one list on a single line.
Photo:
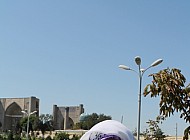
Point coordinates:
[(10, 110), (65, 117)]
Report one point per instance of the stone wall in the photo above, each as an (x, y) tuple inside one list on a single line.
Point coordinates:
[(66, 117), (10, 110)]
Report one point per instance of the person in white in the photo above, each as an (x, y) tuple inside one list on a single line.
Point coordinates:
[(108, 130)]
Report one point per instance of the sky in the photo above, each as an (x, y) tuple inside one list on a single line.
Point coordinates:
[(67, 52)]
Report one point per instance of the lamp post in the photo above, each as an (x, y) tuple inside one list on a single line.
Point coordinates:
[(28, 120), (140, 75)]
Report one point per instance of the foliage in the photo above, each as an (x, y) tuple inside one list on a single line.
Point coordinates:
[(61, 136), (91, 120), (46, 118), (186, 132), (45, 123), (58, 136), (32, 123), (154, 131), (75, 137), (174, 96), (40, 138), (3, 136), (48, 138), (159, 134), (134, 132), (17, 137), (10, 136)]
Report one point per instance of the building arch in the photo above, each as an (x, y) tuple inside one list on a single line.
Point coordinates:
[(69, 124), (66, 117), (12, 116)]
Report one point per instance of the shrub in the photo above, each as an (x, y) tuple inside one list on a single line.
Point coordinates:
[(61, 136), (10, 136), (1, 137), (75, 137), (17, 137), (48, 138)]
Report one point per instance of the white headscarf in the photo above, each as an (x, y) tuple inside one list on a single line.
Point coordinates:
[(108, 128)]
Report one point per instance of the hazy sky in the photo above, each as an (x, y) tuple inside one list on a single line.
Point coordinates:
[(67, 52)]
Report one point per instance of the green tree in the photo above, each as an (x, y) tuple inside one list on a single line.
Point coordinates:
[(174, 95), (17, 137), (32, 122), (91, 120), (154, 131), (134, 132), (45, 123), (10, 136), (159, 134)]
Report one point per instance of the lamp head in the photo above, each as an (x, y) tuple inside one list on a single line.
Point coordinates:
[(138, 60), (157, 62), (124, 67), (33, 112), (24, 112)]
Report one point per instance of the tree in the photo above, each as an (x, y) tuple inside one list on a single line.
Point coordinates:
[(10, 135), (159, 134), (154, 131), (174, 95), (45, 123), (91, 120), (134, 132), (32, 123)]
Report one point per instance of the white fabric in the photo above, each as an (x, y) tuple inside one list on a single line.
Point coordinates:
[(110, 127)]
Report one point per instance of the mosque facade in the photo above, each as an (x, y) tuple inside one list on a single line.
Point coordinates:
[(65, 117), (13, 109)]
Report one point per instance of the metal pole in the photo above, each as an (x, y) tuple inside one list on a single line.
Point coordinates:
[(28, 121), (176, 131), (140, 74), (27, 127), (139, 105)]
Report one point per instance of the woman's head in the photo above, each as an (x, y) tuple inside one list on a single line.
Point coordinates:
[(108, 130)]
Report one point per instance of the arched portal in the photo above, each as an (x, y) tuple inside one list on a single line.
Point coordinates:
[(69, 124), (12, 116)]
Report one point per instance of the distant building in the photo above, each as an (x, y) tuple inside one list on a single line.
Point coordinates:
[(10, 113), (66, 117), (10, 110)]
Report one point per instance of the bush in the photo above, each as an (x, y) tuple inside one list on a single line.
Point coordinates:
[(1, 137), (17, 137), (61, 136), (75, 137), (48, 138), (10, 136)]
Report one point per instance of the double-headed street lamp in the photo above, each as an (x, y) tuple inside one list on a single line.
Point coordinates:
[(140, 74), (28, 120)]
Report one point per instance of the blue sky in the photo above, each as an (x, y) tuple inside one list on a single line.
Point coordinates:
[(67, 52)]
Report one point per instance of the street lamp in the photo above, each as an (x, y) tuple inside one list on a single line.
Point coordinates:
[(28, 116), (140, 74)]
